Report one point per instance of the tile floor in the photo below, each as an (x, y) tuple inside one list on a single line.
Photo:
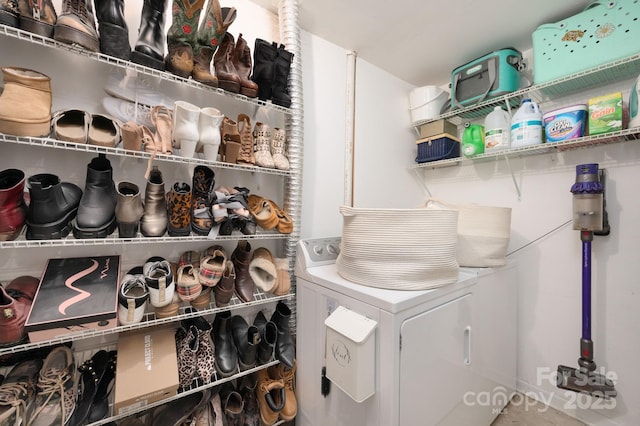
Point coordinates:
[(524, 411)]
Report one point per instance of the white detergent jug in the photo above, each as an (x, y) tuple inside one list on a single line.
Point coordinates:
[(497, 130), (526, 125)]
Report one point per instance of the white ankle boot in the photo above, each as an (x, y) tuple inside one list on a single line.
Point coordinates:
[(278, 151), (185, 128), (262, 137), (209, 128)]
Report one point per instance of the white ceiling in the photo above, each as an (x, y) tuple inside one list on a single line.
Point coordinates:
[(422, 41)]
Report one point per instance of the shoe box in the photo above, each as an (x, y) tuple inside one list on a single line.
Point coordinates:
[(147, 368), (74, 295)]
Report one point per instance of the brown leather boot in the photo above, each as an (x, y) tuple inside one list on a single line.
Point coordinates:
[(25, 103), (241, 258), (242, 62), (245, 156), (228, 78), (210, 33), (15, 303), (179, 209), (224, 290)]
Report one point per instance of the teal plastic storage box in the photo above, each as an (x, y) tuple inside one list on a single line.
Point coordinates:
[(494, 74), (604, 32)]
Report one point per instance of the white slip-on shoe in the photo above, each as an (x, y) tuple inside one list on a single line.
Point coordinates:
[(128, 111), (132, 297)]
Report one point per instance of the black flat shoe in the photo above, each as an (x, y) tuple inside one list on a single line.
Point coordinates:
[(100, 405), (91, 373)]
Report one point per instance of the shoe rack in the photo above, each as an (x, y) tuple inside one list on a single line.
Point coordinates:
[(69, 160)]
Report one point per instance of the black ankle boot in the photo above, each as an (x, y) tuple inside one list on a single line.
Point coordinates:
[(285, 350), (268, 335), (97, 210), (264, 61), (246, 338), (149, 49), (53, 206), (226, 354), (114, 33), (280, 89)]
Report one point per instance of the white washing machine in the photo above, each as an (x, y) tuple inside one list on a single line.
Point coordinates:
[(445, 356)]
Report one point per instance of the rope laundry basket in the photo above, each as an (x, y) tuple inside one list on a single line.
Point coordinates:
[(483, 233), (399, 249)]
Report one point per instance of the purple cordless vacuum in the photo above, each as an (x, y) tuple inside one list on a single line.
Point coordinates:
[(589, 217)]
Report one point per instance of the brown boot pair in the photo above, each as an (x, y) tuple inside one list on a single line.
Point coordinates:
[(232, 63), (269, 215)]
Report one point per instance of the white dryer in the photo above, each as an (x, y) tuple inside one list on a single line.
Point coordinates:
[(445, 356)]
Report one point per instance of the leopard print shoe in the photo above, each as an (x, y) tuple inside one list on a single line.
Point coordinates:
[(187, 344)]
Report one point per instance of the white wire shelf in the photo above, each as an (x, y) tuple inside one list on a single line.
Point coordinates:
[(625, 135), (149, 320), (114, 239), (614, 71), (100, 57), (72, 146)]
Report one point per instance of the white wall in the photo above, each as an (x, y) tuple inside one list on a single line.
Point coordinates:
[(550, 265)]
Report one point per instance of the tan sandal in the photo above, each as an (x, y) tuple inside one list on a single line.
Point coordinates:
[(162, 119), (285, 223), (71, 125), (264, 212), (103, 131)]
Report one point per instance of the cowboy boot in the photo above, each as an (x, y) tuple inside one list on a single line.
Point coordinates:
[(280, 90), (76, 25), (181, 36), (37, 16), (154, 219), (208, 39), (25, 103), (246, 140), (264, 58), (13, 209), (53, 206), (129, 209), (96, 216), (179, 210), (149, 49), (242, 62), (228, 78), (114, 32), (203, 197)]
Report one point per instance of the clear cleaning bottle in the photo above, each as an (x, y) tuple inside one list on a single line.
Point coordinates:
[(497, 130), (526, 125)]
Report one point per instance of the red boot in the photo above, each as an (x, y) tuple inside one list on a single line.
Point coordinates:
[(12, 206), (15, 303)]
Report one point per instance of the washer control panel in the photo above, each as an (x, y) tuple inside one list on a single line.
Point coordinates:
[(321, 251)]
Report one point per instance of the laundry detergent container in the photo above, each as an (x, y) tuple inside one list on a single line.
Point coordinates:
[(399, 249), (425, 103), (483, 233)]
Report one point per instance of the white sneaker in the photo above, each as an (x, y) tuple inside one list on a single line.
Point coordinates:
[(128, 111), (159, 279), (129, 85), (132, 297)]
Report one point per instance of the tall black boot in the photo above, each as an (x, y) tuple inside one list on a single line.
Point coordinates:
[(112, 27), (97, 211), (53, 206), (226, 354), (285, 350), (149, 49), (264, 62), (280, 91)]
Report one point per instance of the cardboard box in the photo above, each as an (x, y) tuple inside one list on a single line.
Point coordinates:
[(605, 113), (75, 294), (147, 368), (437, 127)]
